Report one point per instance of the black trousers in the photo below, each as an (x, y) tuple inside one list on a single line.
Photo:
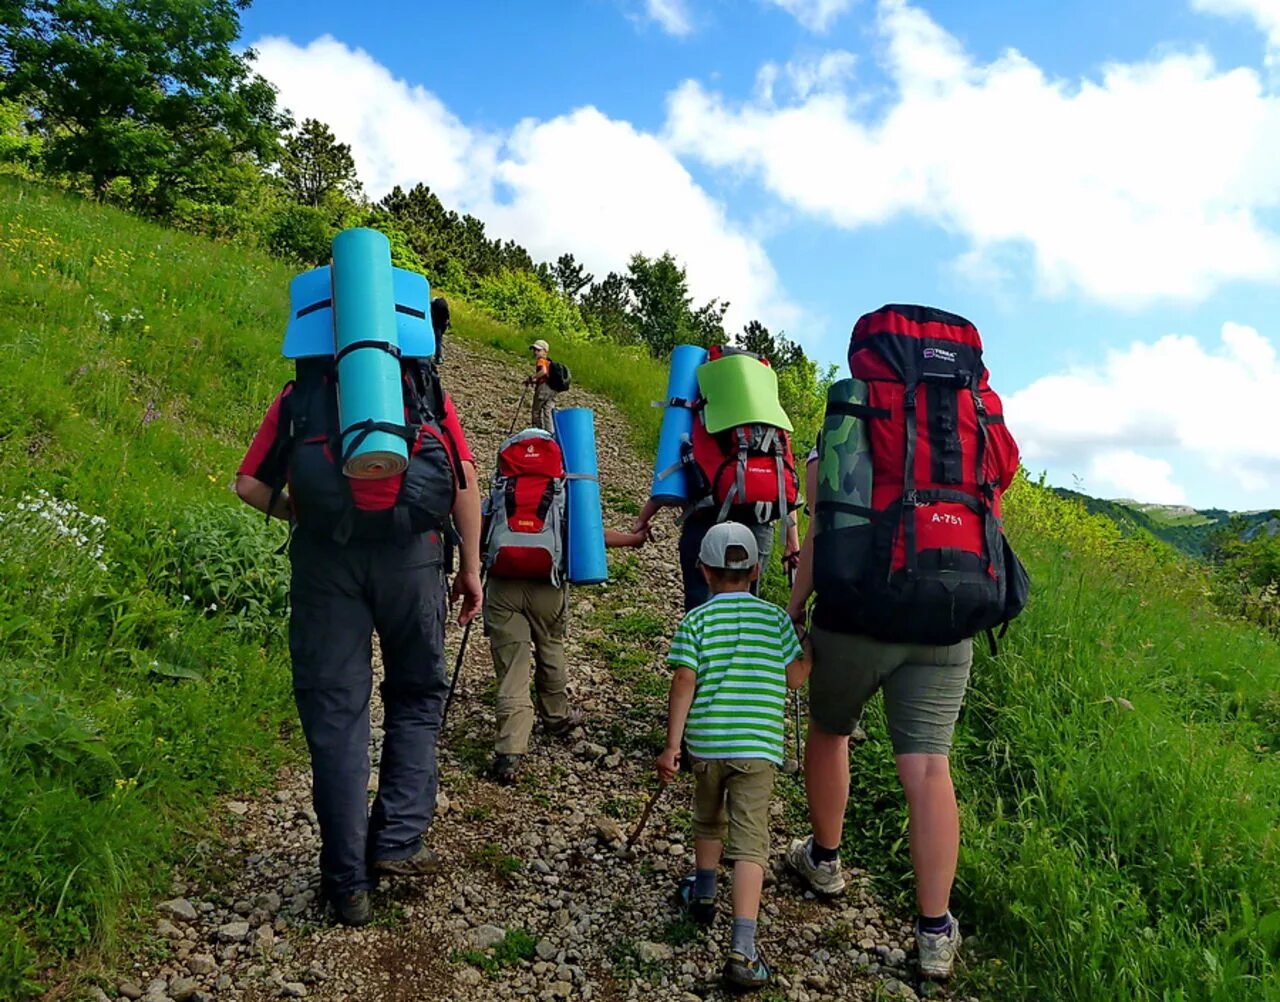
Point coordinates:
[(340, 595)]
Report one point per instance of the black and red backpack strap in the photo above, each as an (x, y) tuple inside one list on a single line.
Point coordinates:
[(278, 456)]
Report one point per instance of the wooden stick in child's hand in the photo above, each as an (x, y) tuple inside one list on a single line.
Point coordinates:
[(627, 850)]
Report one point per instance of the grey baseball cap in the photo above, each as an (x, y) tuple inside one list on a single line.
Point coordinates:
[(717, 542)]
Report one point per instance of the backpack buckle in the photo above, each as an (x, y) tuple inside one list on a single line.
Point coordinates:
[(910, 499)]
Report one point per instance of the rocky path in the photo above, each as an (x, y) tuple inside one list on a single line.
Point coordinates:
[(534, 900)]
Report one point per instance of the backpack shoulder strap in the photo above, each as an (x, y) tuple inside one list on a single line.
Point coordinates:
[(282, 445)]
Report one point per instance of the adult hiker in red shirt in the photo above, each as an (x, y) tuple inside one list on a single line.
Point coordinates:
[(369, 555)]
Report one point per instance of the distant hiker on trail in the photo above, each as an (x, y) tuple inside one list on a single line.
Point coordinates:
[(734, 658), (549, 378), (527, 593), (908, 559), (734, 460), (369, 554)]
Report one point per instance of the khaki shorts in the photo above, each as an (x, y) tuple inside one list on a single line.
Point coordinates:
[(923, 687), (731, 805)]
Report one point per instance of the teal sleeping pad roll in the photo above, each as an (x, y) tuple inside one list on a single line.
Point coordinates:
[(370, 393)]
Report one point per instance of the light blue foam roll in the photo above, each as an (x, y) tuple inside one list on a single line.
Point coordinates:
[(310, 330), (576, 431), (369, 381), (413, 314), (670, 482)]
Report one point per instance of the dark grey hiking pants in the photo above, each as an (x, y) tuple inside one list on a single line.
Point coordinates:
[(340, 595)]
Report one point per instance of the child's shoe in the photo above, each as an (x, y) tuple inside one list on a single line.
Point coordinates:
[(749, 975), (701, 910)]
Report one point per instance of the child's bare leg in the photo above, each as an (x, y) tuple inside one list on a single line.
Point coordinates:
[(748, 883), (706, 859)]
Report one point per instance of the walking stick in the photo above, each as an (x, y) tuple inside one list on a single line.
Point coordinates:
[(628, 849), (519, 407), (795, 693), (457, 669)]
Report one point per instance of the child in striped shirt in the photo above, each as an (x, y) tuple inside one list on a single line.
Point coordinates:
[(734, 658)]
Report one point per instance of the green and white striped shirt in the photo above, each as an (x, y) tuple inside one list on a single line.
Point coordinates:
[(739, 646)]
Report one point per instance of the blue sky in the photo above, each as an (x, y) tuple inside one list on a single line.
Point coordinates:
[(1096, 185)]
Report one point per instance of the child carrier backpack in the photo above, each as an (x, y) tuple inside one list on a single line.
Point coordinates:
[(309, 447), (739, 460), (926, 560), (525, 511), (558, 376)]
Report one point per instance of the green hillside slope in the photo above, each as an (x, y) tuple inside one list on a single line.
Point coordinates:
[(1118, 763)]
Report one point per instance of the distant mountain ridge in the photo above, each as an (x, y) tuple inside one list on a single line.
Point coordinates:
[(1181, 526)]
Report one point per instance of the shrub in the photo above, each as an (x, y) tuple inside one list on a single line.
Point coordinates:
[(300, 233)]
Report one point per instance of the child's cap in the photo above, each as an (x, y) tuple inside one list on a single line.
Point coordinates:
[(716, 543)]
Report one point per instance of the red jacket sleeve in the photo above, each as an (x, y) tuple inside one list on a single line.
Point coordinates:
[(1002, 457), (259, 462), (453, 428)]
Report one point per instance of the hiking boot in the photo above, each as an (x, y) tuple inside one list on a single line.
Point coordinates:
[(353, 909), (749, 975), (420, 864), (563, 727), (824, 879), (505, 768), (938, 951), (701, 910)]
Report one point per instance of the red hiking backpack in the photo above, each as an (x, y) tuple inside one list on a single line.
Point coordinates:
[(746, 473), (932, 565), (525, 513)]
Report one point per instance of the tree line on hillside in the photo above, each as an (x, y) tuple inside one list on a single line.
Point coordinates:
[(147, 104)]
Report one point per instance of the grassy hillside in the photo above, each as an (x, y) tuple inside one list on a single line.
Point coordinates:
[(1188, 530), (1118, 763)]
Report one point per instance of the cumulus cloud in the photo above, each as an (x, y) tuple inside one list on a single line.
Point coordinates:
[(672, 16), (1216, 404), (1150, 182), (1128, 474), (815, 15), (807, 75), (581, 182), (1264, 13)]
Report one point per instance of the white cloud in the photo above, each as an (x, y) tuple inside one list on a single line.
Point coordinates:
[(581, 182), (807, 76), (815, 15), (1128, 474), (1216, 405), (1150, 182), (1264, 13), (672, 16)]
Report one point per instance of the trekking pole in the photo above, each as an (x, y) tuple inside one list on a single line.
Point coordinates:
[(628, 849), (457, 670), (795, 693), (519, 407)]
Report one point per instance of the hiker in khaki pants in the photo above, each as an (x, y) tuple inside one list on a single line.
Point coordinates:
[(519, 612)]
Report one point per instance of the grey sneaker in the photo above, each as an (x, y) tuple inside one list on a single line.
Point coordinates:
[(421, 863), (938, 951), (823, 878)]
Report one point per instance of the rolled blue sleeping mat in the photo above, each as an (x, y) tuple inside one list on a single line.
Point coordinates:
[(366, 343), (576, 431), (669, 480), (310, 330)]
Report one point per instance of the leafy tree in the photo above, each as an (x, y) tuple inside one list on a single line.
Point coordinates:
[(707, 323), (780, 352), (660, 293), (571, 277), (316, 167), (606, 310), (149, 91)]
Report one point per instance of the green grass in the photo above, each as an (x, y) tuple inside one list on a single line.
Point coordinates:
[(1110, 853)]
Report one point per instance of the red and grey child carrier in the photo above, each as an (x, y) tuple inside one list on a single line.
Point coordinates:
[(746, 472), (931, 564), (526, 509)]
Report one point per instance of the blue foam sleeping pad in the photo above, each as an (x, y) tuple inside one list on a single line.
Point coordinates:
[(369, 380), (576, 431), (677, 424), (310, 330)]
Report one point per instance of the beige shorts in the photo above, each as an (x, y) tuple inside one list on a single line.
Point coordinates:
[(923, 685), (731, 805)]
